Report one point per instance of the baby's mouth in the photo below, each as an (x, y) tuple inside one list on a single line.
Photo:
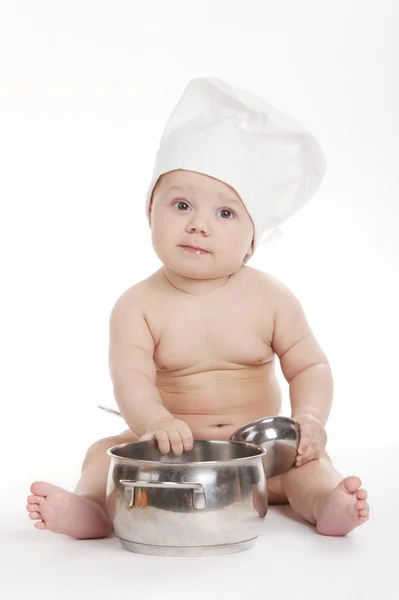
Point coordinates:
[(194, 250)]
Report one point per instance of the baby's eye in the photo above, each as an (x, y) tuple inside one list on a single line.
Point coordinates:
[(224, 210), (179, 202)]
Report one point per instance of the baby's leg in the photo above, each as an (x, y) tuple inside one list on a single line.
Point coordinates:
[(319, 494), (81, 514), (93, 481)]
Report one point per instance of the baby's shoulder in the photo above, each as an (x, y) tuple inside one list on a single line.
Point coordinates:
[(267, 283), (135, 295)]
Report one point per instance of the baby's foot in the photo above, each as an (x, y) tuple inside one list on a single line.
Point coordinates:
[(343, 508), (64, 512)]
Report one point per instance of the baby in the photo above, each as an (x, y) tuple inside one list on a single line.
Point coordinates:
[(192, 356)]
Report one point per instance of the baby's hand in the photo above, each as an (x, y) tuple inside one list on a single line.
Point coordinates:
[(313, 439), (170, 434)]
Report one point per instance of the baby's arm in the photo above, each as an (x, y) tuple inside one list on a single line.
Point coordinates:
[(133, 374), (303, 363)]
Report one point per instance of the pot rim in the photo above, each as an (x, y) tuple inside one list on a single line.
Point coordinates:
[(260, 453)]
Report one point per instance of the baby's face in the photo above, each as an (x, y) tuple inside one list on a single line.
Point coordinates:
[(193, 209)]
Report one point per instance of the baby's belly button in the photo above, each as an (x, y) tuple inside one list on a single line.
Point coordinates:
[(212, 423), (220, 427)]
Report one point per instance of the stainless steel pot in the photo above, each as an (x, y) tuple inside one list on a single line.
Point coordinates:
[(211, 500)]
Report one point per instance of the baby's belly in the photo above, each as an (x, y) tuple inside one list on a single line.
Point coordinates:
[(216, 403)]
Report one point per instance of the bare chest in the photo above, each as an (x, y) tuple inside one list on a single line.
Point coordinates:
[(192, 335)]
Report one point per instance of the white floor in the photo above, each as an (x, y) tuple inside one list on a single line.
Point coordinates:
[(289, 558)]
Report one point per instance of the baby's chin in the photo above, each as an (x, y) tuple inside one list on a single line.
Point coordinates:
[(199, 266), (204, 273)]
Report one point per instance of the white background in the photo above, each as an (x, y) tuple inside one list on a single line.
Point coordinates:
[(86, 88)]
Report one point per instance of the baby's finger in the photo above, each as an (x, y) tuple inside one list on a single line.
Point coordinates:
[(162, 441), (188, 443), (301, 458), (304, 456), (176, 442), (300, 461), (305, 438), (187, 438), (312, 453)]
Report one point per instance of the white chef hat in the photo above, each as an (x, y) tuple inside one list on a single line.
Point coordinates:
[(271, 160)]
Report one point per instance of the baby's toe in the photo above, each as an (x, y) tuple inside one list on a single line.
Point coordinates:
[(32, 507), (34, 515), (361, 494), (364, 509), (40, 488), (39, 525), (34, 499), (351, 483)]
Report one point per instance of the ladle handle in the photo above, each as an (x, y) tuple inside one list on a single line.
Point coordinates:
[(110, 410)]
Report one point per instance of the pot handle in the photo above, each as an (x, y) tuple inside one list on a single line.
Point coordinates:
[(198, 490)]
